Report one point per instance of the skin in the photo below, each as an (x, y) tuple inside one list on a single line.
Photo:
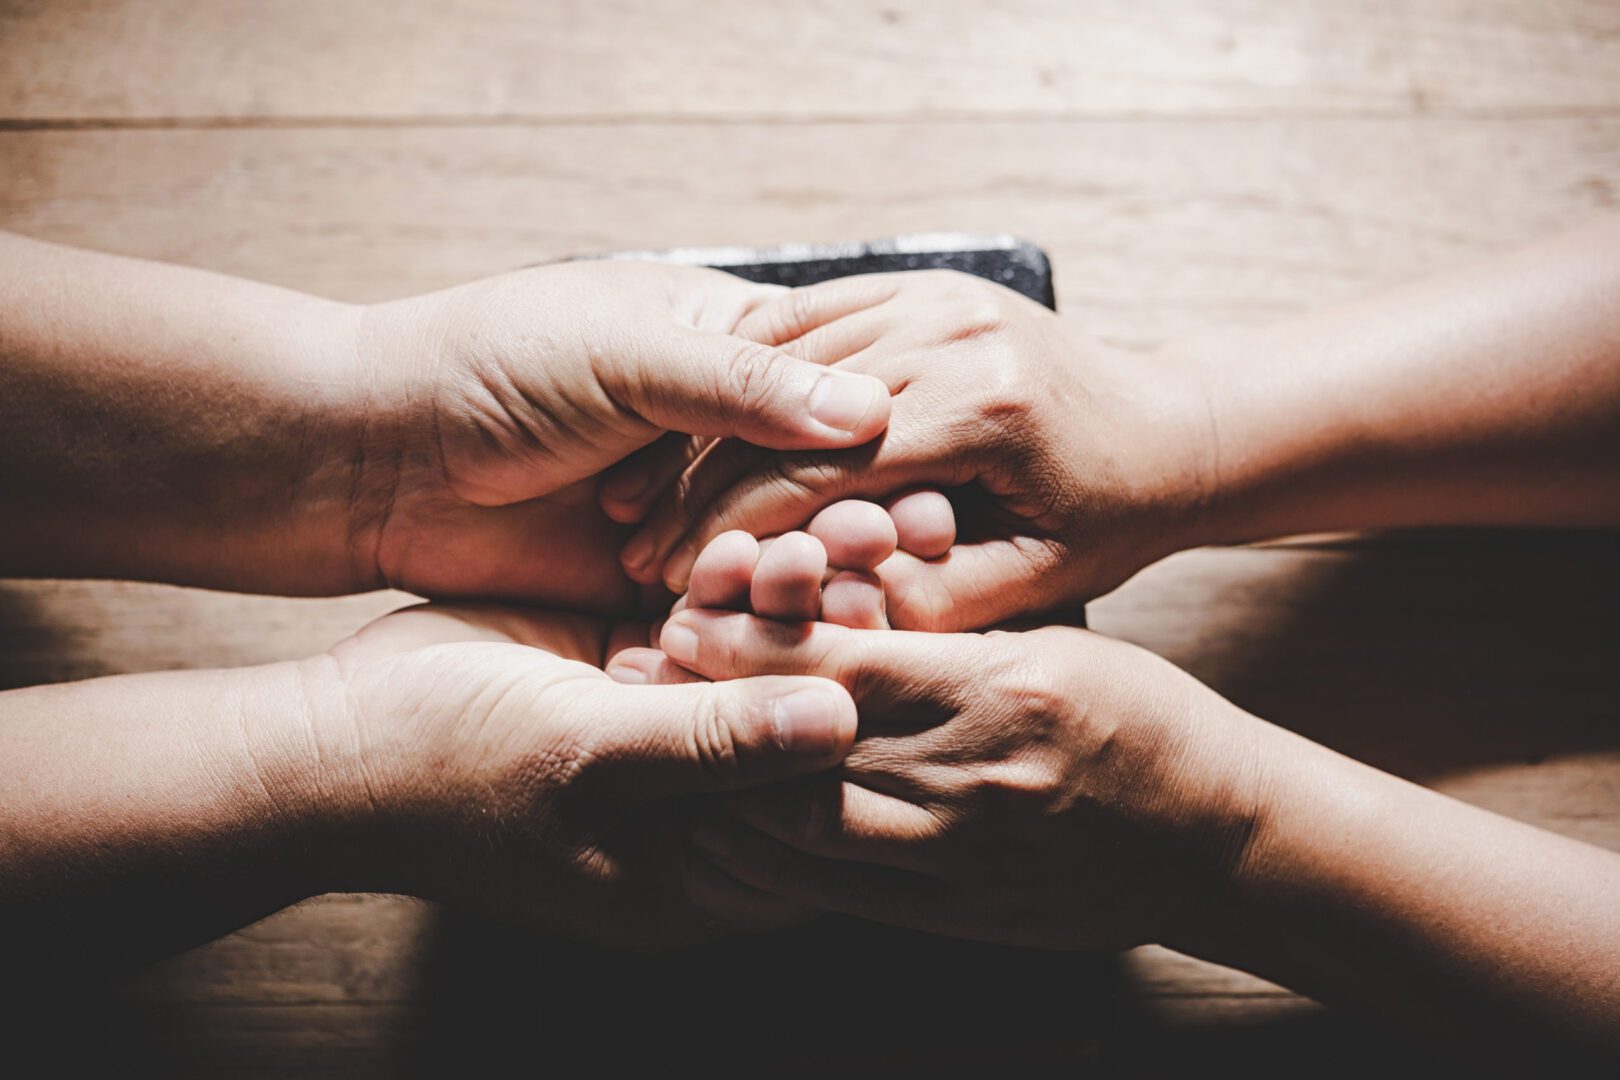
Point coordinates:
[(1058, 789), (163, 423), (1490, 396), (1050, 788), (473, 755)]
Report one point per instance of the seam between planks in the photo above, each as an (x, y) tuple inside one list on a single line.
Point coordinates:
[(168, 123)]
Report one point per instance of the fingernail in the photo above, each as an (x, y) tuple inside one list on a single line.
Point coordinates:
[(842, 401), (680, 643), (678, 569), (626, 674), (638, 552), (627, 485), (807, 722), (708, 838)]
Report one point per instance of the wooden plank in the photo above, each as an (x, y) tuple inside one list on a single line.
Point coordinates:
[(1156, 228), (102, 61)]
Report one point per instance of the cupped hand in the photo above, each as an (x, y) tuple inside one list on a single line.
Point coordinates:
[(833, 571), (1071, 465), (1052, 788), (513, 429), (495, 767)]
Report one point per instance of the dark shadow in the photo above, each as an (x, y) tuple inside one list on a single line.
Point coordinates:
[(35, 649), (834, 998), (1430, 654), (1320, 1045)]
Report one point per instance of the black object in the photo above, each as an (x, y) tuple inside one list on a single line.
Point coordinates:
[(1019, 266)]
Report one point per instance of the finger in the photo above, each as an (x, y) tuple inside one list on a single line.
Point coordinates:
[(835, 819), (791, 315), (648, 667), (880, 893), (714, 470), (716, 384), (854, 598), (787, 580), (879, 665), (900, 679), (724, 573), (924, 523), (630, 487), (973, 586), (783, 491), (645, 742), (857, 534)]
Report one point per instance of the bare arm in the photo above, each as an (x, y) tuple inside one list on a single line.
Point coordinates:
[(1373, 893), (161, 422), (143, 813), (1489, 396), (164, 423), (428, 755)]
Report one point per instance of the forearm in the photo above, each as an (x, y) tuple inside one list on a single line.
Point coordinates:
[(165, 423), (141, 814), (1485, 397), (1367, 891)]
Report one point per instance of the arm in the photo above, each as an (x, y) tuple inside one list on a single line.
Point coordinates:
[(1488, 397), (431, 755), (140, 814), (164, 423), (1059, 789), (1367, 891)]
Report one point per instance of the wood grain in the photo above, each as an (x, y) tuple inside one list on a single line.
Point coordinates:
[(1156, 229), (164, 61)]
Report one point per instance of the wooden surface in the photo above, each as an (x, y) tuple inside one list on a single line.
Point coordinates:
[(1187, 164)]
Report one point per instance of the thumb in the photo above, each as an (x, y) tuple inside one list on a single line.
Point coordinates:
[(703, 383), (704, 737)]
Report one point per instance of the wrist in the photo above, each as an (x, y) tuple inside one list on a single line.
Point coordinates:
[(1306, 804), (318, 776), (1280, 456), (1166, 451)]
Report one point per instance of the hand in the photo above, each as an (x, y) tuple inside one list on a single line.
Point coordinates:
[(497, 768), (1072, 465), (497, 405), (832, 572), (1052, 788)]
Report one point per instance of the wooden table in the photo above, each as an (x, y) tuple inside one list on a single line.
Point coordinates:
[(1188, 163)]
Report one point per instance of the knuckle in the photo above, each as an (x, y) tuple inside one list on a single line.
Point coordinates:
[(750, 378), (920, 604), (798, 315), (714, 736), (978, 316), (812, 476), (1018, 787)]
